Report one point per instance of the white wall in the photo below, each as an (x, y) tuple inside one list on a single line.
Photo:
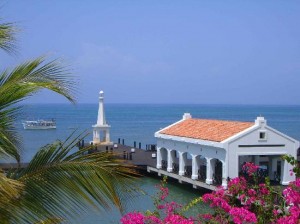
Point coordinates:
[(252, 138), (193, 149)]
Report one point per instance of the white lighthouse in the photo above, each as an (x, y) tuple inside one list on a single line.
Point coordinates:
[(101, 129)]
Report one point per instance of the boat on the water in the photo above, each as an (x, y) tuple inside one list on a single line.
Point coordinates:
[(39, 124)]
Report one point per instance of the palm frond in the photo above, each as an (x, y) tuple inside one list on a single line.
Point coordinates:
[(9, 138), (61, 181), (10, 191), (7, 37), (33, 76), (22, 82)]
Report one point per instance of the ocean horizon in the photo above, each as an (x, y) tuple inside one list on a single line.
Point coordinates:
[(139, 122)]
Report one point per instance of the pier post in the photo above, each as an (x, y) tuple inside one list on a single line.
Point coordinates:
[(140, 145), (119, 141), (123, 141), (134, 144)]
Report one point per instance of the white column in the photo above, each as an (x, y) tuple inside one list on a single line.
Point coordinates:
[(181, 163), (286, 178), (224, 174), (170, 161), (208, 171), (195, 167), (158, 158)]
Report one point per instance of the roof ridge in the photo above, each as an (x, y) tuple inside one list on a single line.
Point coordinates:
[(206, 129), (207, 119)]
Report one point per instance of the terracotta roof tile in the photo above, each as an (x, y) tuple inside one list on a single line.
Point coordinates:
[(211, 130)]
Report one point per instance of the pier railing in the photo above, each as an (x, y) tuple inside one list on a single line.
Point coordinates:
[(175, 167), (188, 171), (164, 164), (202, 173)]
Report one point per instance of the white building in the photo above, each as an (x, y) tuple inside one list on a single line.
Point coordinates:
[(214, 150), (101, 134)]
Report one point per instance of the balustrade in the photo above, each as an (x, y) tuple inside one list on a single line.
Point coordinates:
[(175, 167), (202, 173), (217, 179), (188, 171), (164, 164)]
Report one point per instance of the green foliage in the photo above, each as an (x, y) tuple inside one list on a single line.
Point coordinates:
[(61, 181)]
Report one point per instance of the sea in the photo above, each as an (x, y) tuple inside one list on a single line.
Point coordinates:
[(138, 123)]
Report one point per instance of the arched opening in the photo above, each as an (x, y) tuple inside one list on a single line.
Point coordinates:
[(175, 161), (187, 164), (202, 168), (164, 158), (217, 172), (172, 160)]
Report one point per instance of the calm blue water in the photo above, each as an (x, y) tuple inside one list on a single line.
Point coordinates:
[(138, 123)]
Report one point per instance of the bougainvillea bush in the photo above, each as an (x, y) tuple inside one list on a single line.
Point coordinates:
[(245, 200)]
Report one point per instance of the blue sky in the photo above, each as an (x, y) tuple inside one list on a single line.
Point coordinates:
[(216, 52)]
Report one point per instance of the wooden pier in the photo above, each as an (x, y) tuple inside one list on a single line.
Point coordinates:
[(195, 183), (144, 160)]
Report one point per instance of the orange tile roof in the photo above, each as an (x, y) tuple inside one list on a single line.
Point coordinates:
[(211, 130)]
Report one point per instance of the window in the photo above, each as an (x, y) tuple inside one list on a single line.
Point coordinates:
[(262, 135)]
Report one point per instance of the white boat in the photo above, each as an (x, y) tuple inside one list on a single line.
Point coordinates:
[(39, 124)]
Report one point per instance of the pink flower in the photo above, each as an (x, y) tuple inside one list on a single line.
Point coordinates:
[(153, 219), (250, 168), (207, 216), (133, 218), (216, 200), (160, 207), (177, 219), (237, 185), (263, 189), (241, 215), (251, 192)]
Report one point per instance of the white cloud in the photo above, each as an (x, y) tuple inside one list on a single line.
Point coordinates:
[(106, 58)]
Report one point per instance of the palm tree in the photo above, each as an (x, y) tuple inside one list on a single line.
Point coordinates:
[(59, 181)]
